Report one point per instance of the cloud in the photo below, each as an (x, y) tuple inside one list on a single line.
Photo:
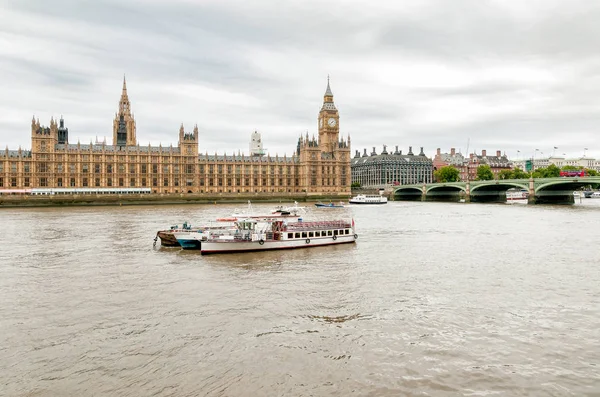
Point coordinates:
[(504, 75)]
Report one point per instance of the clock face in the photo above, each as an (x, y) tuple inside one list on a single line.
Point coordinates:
[(331, 122)]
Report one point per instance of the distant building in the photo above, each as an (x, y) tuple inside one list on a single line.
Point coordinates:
[(385, 169), (256, 146), (453, 158), (467, 167), (496, 162), (318, 166), (543, 162)]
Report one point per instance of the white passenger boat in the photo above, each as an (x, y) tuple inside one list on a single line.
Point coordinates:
[(289, 211), (368, 199), (276, 234), (517, 196), (595, 195)]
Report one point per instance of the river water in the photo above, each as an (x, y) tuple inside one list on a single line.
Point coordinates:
[(434, 299)]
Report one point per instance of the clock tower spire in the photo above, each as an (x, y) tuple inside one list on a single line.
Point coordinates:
[(329, 122)]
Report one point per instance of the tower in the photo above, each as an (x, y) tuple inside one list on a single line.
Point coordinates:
[(188, 141), (256, 146), (63, 132), (43, 139), (329, 123), (124, 123)]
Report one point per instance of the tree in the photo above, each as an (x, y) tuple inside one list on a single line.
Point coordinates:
[(552, 171), (355, 185), (571, 168), (447, 174), (591, 172), (518, 173), (505, 174), (484, 173)]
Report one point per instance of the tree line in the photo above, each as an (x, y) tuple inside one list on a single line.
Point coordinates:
[(450, 173)]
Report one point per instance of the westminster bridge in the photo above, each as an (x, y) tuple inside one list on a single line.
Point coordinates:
[(541, 190)]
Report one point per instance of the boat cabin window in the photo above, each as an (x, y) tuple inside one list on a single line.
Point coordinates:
[(317, 234), (303, 234), (290, 235), (311, 234), (329, 233), (347, 231), (335, 232), (297, 235)]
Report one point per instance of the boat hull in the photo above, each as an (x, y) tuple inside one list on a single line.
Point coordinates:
[(365, 203), (189, 244), (232, 246), (167, 239)]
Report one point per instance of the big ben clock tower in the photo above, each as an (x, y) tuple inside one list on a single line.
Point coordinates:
[(329, 123)]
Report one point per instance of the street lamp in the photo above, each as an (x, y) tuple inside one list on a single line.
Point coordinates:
[(533, 162)]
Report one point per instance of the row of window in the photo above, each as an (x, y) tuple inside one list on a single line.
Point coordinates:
[(318, 233)]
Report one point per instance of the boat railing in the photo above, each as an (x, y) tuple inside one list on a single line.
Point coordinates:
[(317, 225)]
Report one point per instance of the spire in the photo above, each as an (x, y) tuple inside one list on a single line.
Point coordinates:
[(124, 105), (328, 90)]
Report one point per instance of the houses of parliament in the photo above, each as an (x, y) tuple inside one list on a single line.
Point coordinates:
[(317, 166)]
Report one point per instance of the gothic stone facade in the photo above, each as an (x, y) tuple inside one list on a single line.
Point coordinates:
[(316, 167)]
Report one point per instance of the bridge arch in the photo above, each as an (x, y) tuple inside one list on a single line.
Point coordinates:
[(446, 192), (412, 193)]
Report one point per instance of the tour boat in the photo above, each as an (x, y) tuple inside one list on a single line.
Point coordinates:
[(275, 234), (368, 199), (517, 196), (595, 195), (329, 205)]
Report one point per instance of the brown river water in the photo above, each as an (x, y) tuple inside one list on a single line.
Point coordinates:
[(434, 299)]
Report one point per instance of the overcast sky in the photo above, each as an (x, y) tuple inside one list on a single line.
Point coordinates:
[(491, 74)]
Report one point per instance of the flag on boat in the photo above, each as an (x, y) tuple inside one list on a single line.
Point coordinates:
[(352, 222)]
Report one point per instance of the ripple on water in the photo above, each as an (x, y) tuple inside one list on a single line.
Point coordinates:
[(433, 299)]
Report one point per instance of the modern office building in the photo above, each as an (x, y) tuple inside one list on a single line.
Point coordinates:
[(378, 170)]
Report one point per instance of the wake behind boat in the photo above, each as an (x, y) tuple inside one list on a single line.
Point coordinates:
[(263, 235)]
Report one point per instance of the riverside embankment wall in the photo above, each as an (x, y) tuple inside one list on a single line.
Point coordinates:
[(11, 201)]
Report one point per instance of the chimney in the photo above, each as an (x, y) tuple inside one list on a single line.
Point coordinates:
[(452, 152), (410, 153), (483, 153), (373, 153), (439, 151), (384, 150), (396, 152), (421, 153), (498, 153), (365, 153)]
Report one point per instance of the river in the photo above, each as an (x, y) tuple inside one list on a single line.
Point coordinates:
[(434, 299)]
